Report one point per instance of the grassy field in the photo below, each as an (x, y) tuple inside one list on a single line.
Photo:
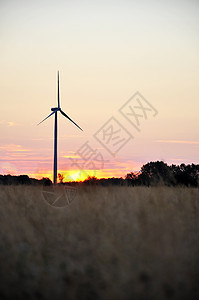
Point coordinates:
[(109, 243)]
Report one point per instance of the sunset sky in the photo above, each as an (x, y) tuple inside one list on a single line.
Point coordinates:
[(114, 58)]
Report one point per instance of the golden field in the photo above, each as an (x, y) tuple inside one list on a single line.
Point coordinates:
[(108, 243)]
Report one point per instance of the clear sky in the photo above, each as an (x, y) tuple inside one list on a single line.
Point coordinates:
[(106, 51)]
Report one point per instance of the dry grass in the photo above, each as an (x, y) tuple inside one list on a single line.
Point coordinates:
[(109, 243)]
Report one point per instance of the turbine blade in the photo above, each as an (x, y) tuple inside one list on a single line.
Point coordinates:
[(58, 90), (48, 116), (69, 119)]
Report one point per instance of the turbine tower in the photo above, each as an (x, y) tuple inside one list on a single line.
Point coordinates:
[(55, 110)]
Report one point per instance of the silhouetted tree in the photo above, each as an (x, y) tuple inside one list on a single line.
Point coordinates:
[(186, 174), (154, 173), (61, 177), (24, 179), (91, 180), (131, 178), (46, 182)]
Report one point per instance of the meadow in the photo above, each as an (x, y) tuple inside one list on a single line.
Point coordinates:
[(108, 243)]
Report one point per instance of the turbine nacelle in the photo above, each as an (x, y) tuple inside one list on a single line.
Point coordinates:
[(55, 109)]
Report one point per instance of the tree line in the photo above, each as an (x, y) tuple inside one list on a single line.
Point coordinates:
[(158, 172), (151, 174), (23, 179)]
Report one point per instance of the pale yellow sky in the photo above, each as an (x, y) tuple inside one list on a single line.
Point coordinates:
[(105, 51)]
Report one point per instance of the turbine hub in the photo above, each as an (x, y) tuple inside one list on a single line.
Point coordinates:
[(54, 108)]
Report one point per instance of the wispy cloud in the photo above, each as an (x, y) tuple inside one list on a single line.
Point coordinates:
[(63, 137), (8, 123), (177, 142), (70, 156), (14, 148)]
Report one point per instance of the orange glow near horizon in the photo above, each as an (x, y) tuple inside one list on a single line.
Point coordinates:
[(75, 175), (115, 169)]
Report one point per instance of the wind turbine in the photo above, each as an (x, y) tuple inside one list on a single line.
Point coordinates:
[(55, 110)]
